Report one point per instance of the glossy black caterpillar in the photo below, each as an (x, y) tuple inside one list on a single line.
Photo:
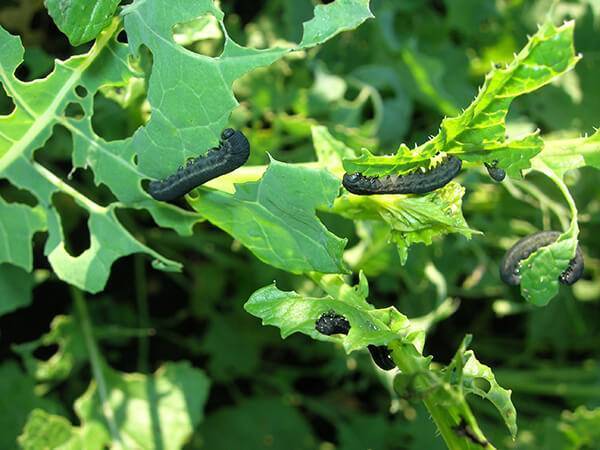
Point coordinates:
[(381, 357), (331, 323), (412, 183), (233, 151), (510, 265), (498, 174)]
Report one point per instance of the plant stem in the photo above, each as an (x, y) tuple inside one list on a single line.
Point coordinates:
[(97, 364)]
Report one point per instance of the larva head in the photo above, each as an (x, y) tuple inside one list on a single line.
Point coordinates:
[(496, 173), (356, 183), (227, 133)]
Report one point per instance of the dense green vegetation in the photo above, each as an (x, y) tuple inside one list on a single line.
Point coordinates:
[(129, 323)]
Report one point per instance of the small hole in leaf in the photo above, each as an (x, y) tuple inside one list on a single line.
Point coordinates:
[(111, 121), (74, 110), (122, 37), (483, 384), (201, 35), (81, 91), (12, 194), (45, 352), (6, 103)]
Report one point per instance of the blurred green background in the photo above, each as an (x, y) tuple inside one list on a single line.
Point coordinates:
[(390, 81)]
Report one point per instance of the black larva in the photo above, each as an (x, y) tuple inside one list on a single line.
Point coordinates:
[(464, 430), (331, 323), (412, 183), (510, 264), (233, 151), (381, 357), (498, 174)]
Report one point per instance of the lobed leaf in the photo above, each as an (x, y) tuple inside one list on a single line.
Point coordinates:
[(275, 218), (479, 133), (295, 313)]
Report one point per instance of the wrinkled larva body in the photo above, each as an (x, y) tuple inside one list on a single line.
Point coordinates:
[(233, 151), (412, 183)]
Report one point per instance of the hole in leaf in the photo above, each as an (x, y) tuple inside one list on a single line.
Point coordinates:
[(74, 224), (7, 105), (12, 194), (483, 384), (36, 64), (45, 352), (74, 110), (83, 180), (122, 37), (201, 35), (111, 121), (246, 10), (81, 91)]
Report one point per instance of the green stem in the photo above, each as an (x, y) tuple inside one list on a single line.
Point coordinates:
[(97, 364)]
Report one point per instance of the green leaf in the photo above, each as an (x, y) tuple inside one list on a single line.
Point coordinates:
[(479, 133), (81, 20), (275, 218), (17, 399), (172, 134), (65, 333), (295, 313), (562, 155), (541, 270), (15, 288), (47, 431), (39, 107), (473, 377), (148, 411), (410, 219), (252, 423), (334, 18), (18, 224)]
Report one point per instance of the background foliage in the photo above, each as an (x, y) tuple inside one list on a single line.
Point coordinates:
[(156, 345)]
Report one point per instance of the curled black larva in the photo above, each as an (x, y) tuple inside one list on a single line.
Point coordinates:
[(498, 174), (381, 357), (412, 183), (233, 151), (510, 264), (331, 323)]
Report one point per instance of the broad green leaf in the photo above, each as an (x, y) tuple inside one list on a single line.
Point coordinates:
[(81, 20), (147, 411), (65, 333), (176, 130), (410, 219), (17, 399), (39, 107), (294, 313), (257, 423), (48, 431), (275, 218), (562, 155), (479, 133), (15, 288)]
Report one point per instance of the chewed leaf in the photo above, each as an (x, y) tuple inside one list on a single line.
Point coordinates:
[(496, 394), (275, 218), (189, 108), (411, 219), (561, 155), (294, 313), (540, 272), (479, 133)]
